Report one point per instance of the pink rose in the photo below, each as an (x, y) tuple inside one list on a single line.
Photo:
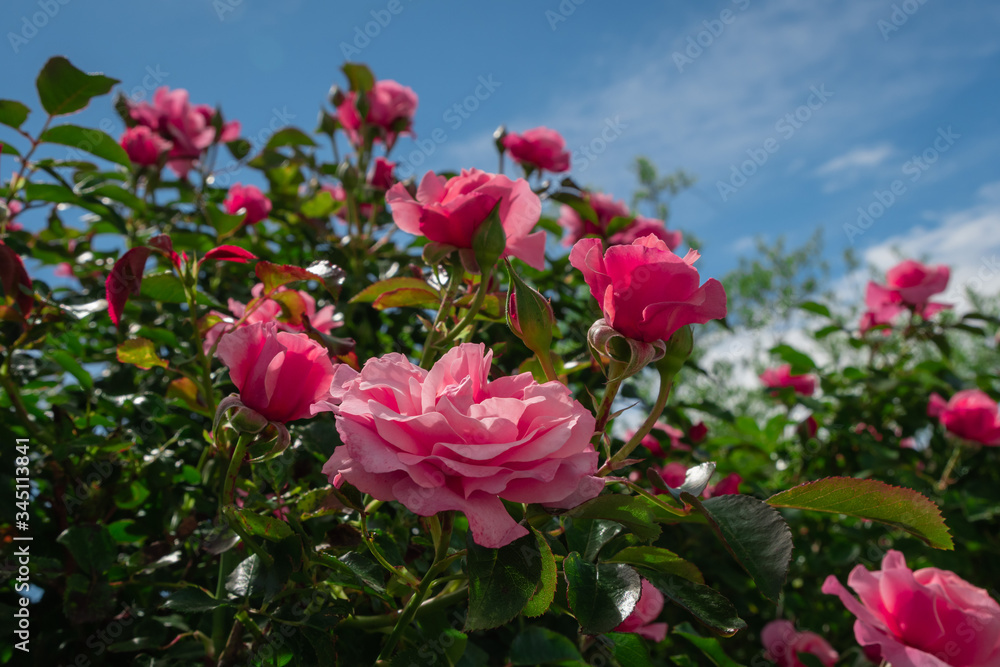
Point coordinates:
[(390, 109), (250, 198), (339, 194), (14, 207), (883, 305), (282, 376), (727, 486), (673, 475), (970, 414), (188, 128), (381, 177), (783, 645), (144, 147), (645, 291), (450, 211), (915, 282), (653, 445), (449, 439), (927, 618), (779, 377), (607, 209), (644, 227), (647, 609), (697, 432), (540, 147)]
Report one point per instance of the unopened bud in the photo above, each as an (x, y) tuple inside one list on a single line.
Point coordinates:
[(678, 349), (529, 316), (489, 241)]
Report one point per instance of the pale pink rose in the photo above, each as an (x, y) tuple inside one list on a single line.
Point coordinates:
[(647, 609), (391, 107), (539, 147), (927, 618), (282, 376), (450, 211), (248, 198), (915, 282), (449, 439), (645, 291), (970, 414), (779, 377), (143, 145), (783, 644)]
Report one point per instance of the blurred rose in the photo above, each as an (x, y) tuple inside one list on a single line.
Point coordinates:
[(540, 147), (281, 376), (927, 618), (607, 209), (381, 177), (915, 282), (14, 277), (779, 377), (449, 439), (727, 486), (645, 291), (450, 211), (642, 226), (697, 432), (391, 107), (647, 609), (783, 644), (250, 199), (143, 145), (970, 414)]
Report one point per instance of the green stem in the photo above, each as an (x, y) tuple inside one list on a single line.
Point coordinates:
[(661, 402), (659, 503), (204, 361), (219, 615), (470, 314), (439, 565), (545, 359), (229, 487), (949, 467), (427, 355), (401, 572), (615, 370)]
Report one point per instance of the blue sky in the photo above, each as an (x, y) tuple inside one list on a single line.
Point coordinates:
[(694, 86)]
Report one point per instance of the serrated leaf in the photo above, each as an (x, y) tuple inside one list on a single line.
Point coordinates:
[(13, 113), (659, 559), (755, 534), (634, 512), (276, 275), (375, 290), (871, 499), (501, 581), (546, 590), (91, 546), (402, 298), (88, 140), (704, 603), (628, 649), (192, 600), (588, 536), (268, 527), (63, 89), (601, 596), (241, 580), (140, 352)]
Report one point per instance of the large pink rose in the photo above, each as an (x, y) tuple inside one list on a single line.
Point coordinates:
[(645, 291), (970, 414), (391, 106), (647, 609), (282, 376), (915, 282), (450, 211), (449, 439), (779, 377), (540, 147), (249, 198), (783, 644), (927, 618), (187, 127)]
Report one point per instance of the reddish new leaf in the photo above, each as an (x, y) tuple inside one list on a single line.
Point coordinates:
[(165, 246), (275, 275), (125, 280), (229, 253)]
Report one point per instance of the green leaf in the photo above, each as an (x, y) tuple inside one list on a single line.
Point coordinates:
[(601, 596), (289, 136), (628, 649), (319, 206), (541, 646), (268, 527), (276, 275), (89, 140), (368, 571), (243, 579), (164, 287), (91, 546), (375, 290), (359, 76), (708, 645), (704, 603), (64, 89), (871, 499), (546, 590), (501, 581), (13, 113), (192, 600), (813, 307), (140, 352), (635, 513), (69, 364), (661, 560), (588, 536), (801, 362), (223, 223), (577, 203), (402, 298), (120, 532), (754, 533), (131, 496)]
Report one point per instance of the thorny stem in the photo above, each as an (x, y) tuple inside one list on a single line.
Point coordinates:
[(654, 414)]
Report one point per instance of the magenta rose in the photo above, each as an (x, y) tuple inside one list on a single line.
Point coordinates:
[(144, 147), (727, 486), (777, 378), (642, 226), (647, 609), (927, 618), (449, 211), (970, 414), (540, 147), (645, 291), (391, 107), (606, 208), (250, 199), (282, 376), (449, 439), (915, 282), (883, 304), (381, 177), (783, 644)]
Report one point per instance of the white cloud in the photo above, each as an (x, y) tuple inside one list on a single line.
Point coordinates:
[(860, 157)]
